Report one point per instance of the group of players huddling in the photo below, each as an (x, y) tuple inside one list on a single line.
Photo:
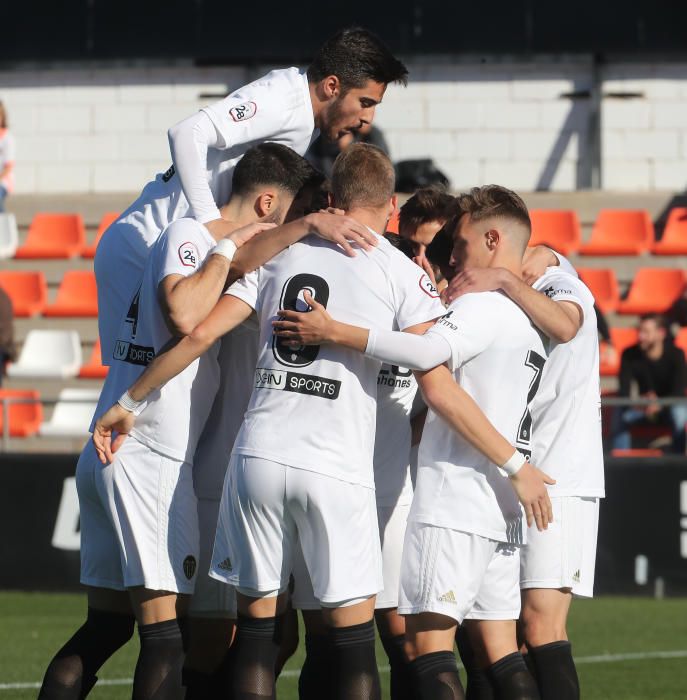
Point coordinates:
[(256, 338)]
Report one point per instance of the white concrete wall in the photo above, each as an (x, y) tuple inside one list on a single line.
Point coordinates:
[(105, 130)]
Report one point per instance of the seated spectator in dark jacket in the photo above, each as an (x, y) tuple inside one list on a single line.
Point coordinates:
[(7, 349), (657, 368)]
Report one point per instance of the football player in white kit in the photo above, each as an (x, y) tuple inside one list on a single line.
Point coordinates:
[(337, 94), (301, 471), (139, 532), (560, 562), (461, 553)]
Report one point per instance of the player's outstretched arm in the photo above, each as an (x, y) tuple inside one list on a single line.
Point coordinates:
[(459, 410), (337, 228), (186, 301), (408, 348), (175, 357), (559, 320)]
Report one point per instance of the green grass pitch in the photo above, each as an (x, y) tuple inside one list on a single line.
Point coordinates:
[(605, 632)]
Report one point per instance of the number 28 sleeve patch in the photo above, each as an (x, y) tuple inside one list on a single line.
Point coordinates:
[(188, 254), (243, 111)]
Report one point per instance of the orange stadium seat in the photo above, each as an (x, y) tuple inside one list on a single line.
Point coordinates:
[(392, 226), (674, 241), (109, 218), (27, 290), (77, 295), (637, 452), (603, 284), (24, 418), (558, 229), (620, 232), (54, 236), (94, 368), (653, 290), (621, 339)]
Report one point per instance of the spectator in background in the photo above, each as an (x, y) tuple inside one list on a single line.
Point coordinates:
[(677, 314), (7, 348), (657, 367), (6, 158), (322, 153)]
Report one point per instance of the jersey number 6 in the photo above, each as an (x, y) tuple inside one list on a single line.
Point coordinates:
[(293, 300)]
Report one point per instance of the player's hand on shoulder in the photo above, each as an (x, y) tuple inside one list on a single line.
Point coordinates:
[(311, 327), (334, 226), (535, 261), (530, 486), (242, 235), (117, 421), (472, 280)]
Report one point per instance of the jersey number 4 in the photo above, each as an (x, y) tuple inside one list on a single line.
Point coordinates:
[(535, 362), (293, 300)]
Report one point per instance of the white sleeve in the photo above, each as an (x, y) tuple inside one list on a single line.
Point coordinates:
[(564, 287), (179, 249), (189, 141), (417, 300), (246, 289), (469, 327), (421, 352), (564, 263)]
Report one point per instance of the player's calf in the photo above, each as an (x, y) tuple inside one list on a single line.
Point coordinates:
[(71, 674), (391, 629)]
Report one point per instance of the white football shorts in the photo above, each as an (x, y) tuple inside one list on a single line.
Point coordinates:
[(139, 520), (564, 555), (392, 527), (458, 574), (268, 509), (211, 598)]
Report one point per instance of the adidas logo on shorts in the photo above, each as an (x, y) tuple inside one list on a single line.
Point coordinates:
[(225, 565), (576, 576), (448, 598)]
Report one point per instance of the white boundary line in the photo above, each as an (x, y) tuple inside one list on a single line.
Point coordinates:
[(294, 673)]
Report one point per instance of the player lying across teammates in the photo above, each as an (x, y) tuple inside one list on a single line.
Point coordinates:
[(235, 434)]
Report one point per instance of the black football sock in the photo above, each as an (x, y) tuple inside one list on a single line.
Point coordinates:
[(436, 677), (512, 680), (71, 673), (160, 661), (198, 685), (354, 665), (479, 686), (221, 685), (401, 678), (314, 683), (257, 647), (555, 671)]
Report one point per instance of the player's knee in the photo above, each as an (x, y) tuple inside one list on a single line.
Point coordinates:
[(541, 627)]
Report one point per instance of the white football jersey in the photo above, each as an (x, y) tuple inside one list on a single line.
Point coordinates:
[(175, 414), (237, 357), (498, 358), (396, 390), (313, 407), (277, 108), (567, 408)]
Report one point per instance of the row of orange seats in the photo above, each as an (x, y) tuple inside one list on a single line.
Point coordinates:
[(25, 415), (623, 338), (653, 290), (60, 236), (28, 291), (615, 232)]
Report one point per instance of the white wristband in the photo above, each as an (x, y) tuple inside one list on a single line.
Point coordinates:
[(515, 463), (128, 403), (226, 248)]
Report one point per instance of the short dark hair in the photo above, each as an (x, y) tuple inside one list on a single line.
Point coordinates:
[(659, 319), (355, 56), (402, 244), (431, 203), (362, 176), (272, 164), (493, 201), (439, 251)]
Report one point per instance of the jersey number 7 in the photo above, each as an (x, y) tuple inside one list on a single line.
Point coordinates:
[(536, 362)]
